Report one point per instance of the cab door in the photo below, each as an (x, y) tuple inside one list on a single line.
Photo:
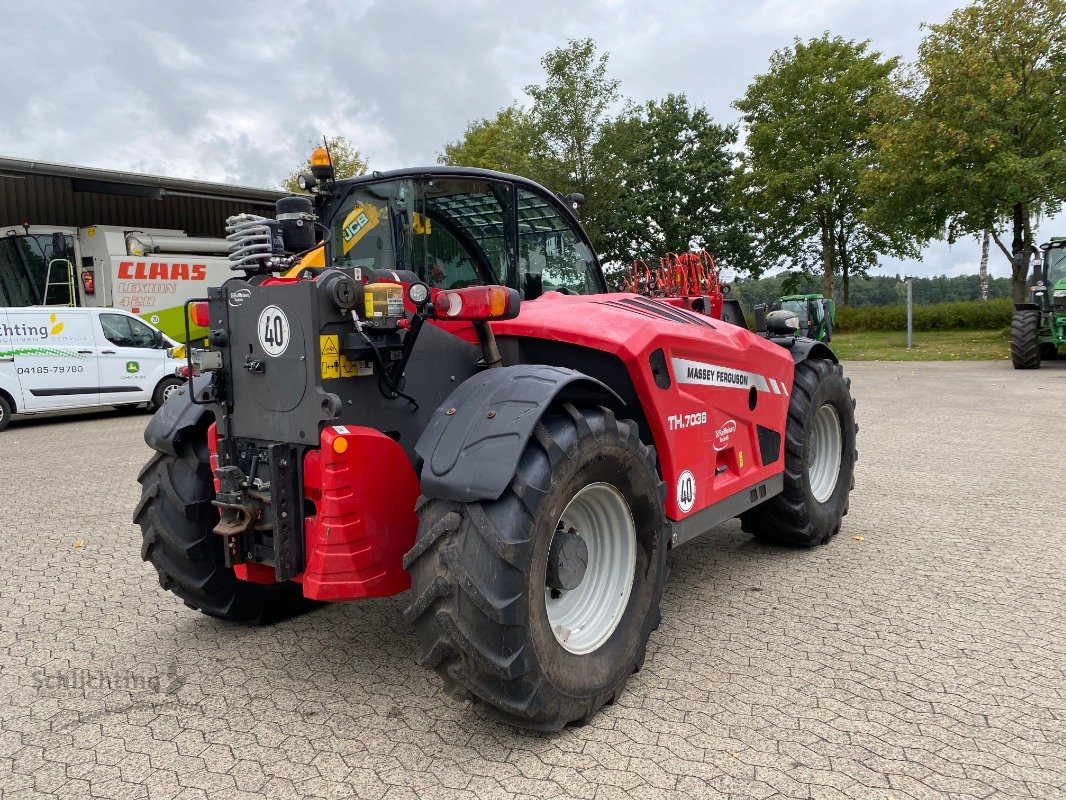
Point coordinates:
[(131, 361), (55, 357)]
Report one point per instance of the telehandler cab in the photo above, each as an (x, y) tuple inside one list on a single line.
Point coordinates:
[(453, 403)]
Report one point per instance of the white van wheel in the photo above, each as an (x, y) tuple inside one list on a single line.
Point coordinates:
[(5, 412), (165, 389)]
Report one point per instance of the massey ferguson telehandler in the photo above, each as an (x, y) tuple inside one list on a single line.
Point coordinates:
[(444, 397)]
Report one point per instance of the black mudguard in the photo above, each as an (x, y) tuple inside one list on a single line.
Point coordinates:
[(471, 447), (803, 348), (177, 415)]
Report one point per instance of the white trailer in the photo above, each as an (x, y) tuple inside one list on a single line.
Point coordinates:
[(149, 272)]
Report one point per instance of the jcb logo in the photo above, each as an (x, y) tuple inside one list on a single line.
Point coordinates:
[(355, 226), (360, 219)]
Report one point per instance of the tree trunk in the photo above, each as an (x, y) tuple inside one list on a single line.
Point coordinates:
[(1020, 250), (829, 252), (845, 263), (984, 265)]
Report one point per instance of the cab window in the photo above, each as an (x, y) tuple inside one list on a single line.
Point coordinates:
[(123, 331), (466, 235), (550, 249), (368, 232)]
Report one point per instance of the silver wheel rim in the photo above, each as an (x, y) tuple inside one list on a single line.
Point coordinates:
[(583, 618), (824, 450), (169, 390)]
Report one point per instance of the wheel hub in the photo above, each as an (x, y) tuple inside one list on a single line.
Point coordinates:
[(568, 558), (590, 574)]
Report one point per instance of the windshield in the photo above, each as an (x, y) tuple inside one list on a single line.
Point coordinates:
[(797, 307), (456, 232), (24, 260), (1056, 269)]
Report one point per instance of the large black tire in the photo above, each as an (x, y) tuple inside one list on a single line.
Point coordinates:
[(795, 516), (1024, 350), (177, 518), (478, 576), (5, 412)]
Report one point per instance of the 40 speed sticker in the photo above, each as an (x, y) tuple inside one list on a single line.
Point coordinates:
[(273, 331), (686, 491)]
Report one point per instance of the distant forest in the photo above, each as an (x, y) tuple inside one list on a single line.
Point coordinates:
[(874, 291)]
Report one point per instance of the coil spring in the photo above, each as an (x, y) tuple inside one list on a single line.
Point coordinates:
[(251, 242)]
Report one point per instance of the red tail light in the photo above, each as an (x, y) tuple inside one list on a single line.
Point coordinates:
[(88, 282), (477, 303), (200, 315)]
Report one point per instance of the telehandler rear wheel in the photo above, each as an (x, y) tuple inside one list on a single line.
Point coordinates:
[(539, 605), (819, 461), (177, 518)]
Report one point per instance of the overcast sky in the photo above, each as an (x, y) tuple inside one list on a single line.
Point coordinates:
[(235, 91)]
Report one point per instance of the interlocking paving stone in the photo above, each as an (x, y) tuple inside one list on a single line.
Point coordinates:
[(927, 660)]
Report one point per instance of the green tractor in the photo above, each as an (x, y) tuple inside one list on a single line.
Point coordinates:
[(817, 315), (1038, 328)]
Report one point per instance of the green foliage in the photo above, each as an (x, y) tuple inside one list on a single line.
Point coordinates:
[(969, 316), (509, 142), (974, 136), (348, 162), (874, 291), (570, 109), (665, 170), (656, 177), (808, 120)]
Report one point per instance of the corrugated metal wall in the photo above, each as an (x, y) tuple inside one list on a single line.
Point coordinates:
[(48, 200)]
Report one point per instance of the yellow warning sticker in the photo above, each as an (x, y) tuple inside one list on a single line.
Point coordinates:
[(740, 459), (329, 350)]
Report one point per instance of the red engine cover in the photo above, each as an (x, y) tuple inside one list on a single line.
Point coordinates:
[(703, 426)]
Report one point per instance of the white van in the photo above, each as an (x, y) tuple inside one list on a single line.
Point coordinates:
[(54, 358)]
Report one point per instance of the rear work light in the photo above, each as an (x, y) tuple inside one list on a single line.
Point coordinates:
[(88, 282), (477, 303), (199, 315)]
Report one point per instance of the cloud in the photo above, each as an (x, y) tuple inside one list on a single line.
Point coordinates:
[(235, 92)]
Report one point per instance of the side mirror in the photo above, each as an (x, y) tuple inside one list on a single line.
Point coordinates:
[(159, 341)]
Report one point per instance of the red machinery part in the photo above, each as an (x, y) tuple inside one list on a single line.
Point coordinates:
[(364, 518), (364, 521)]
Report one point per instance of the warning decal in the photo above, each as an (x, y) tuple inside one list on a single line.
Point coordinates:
[(337, 365), (329, 350)]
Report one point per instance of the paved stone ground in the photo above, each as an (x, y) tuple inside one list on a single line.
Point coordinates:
[(920, 654)]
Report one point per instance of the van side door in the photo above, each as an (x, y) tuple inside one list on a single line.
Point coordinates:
[(55, 357), (131, 364)]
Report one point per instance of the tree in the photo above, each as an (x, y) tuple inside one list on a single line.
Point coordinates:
[(348, 162), (808, 120), (974, 139), (570, 109), (664, 171), (509, 142)]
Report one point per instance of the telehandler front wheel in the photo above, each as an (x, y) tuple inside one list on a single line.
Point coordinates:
[(539, 605), (176, 519), (819, 461)]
